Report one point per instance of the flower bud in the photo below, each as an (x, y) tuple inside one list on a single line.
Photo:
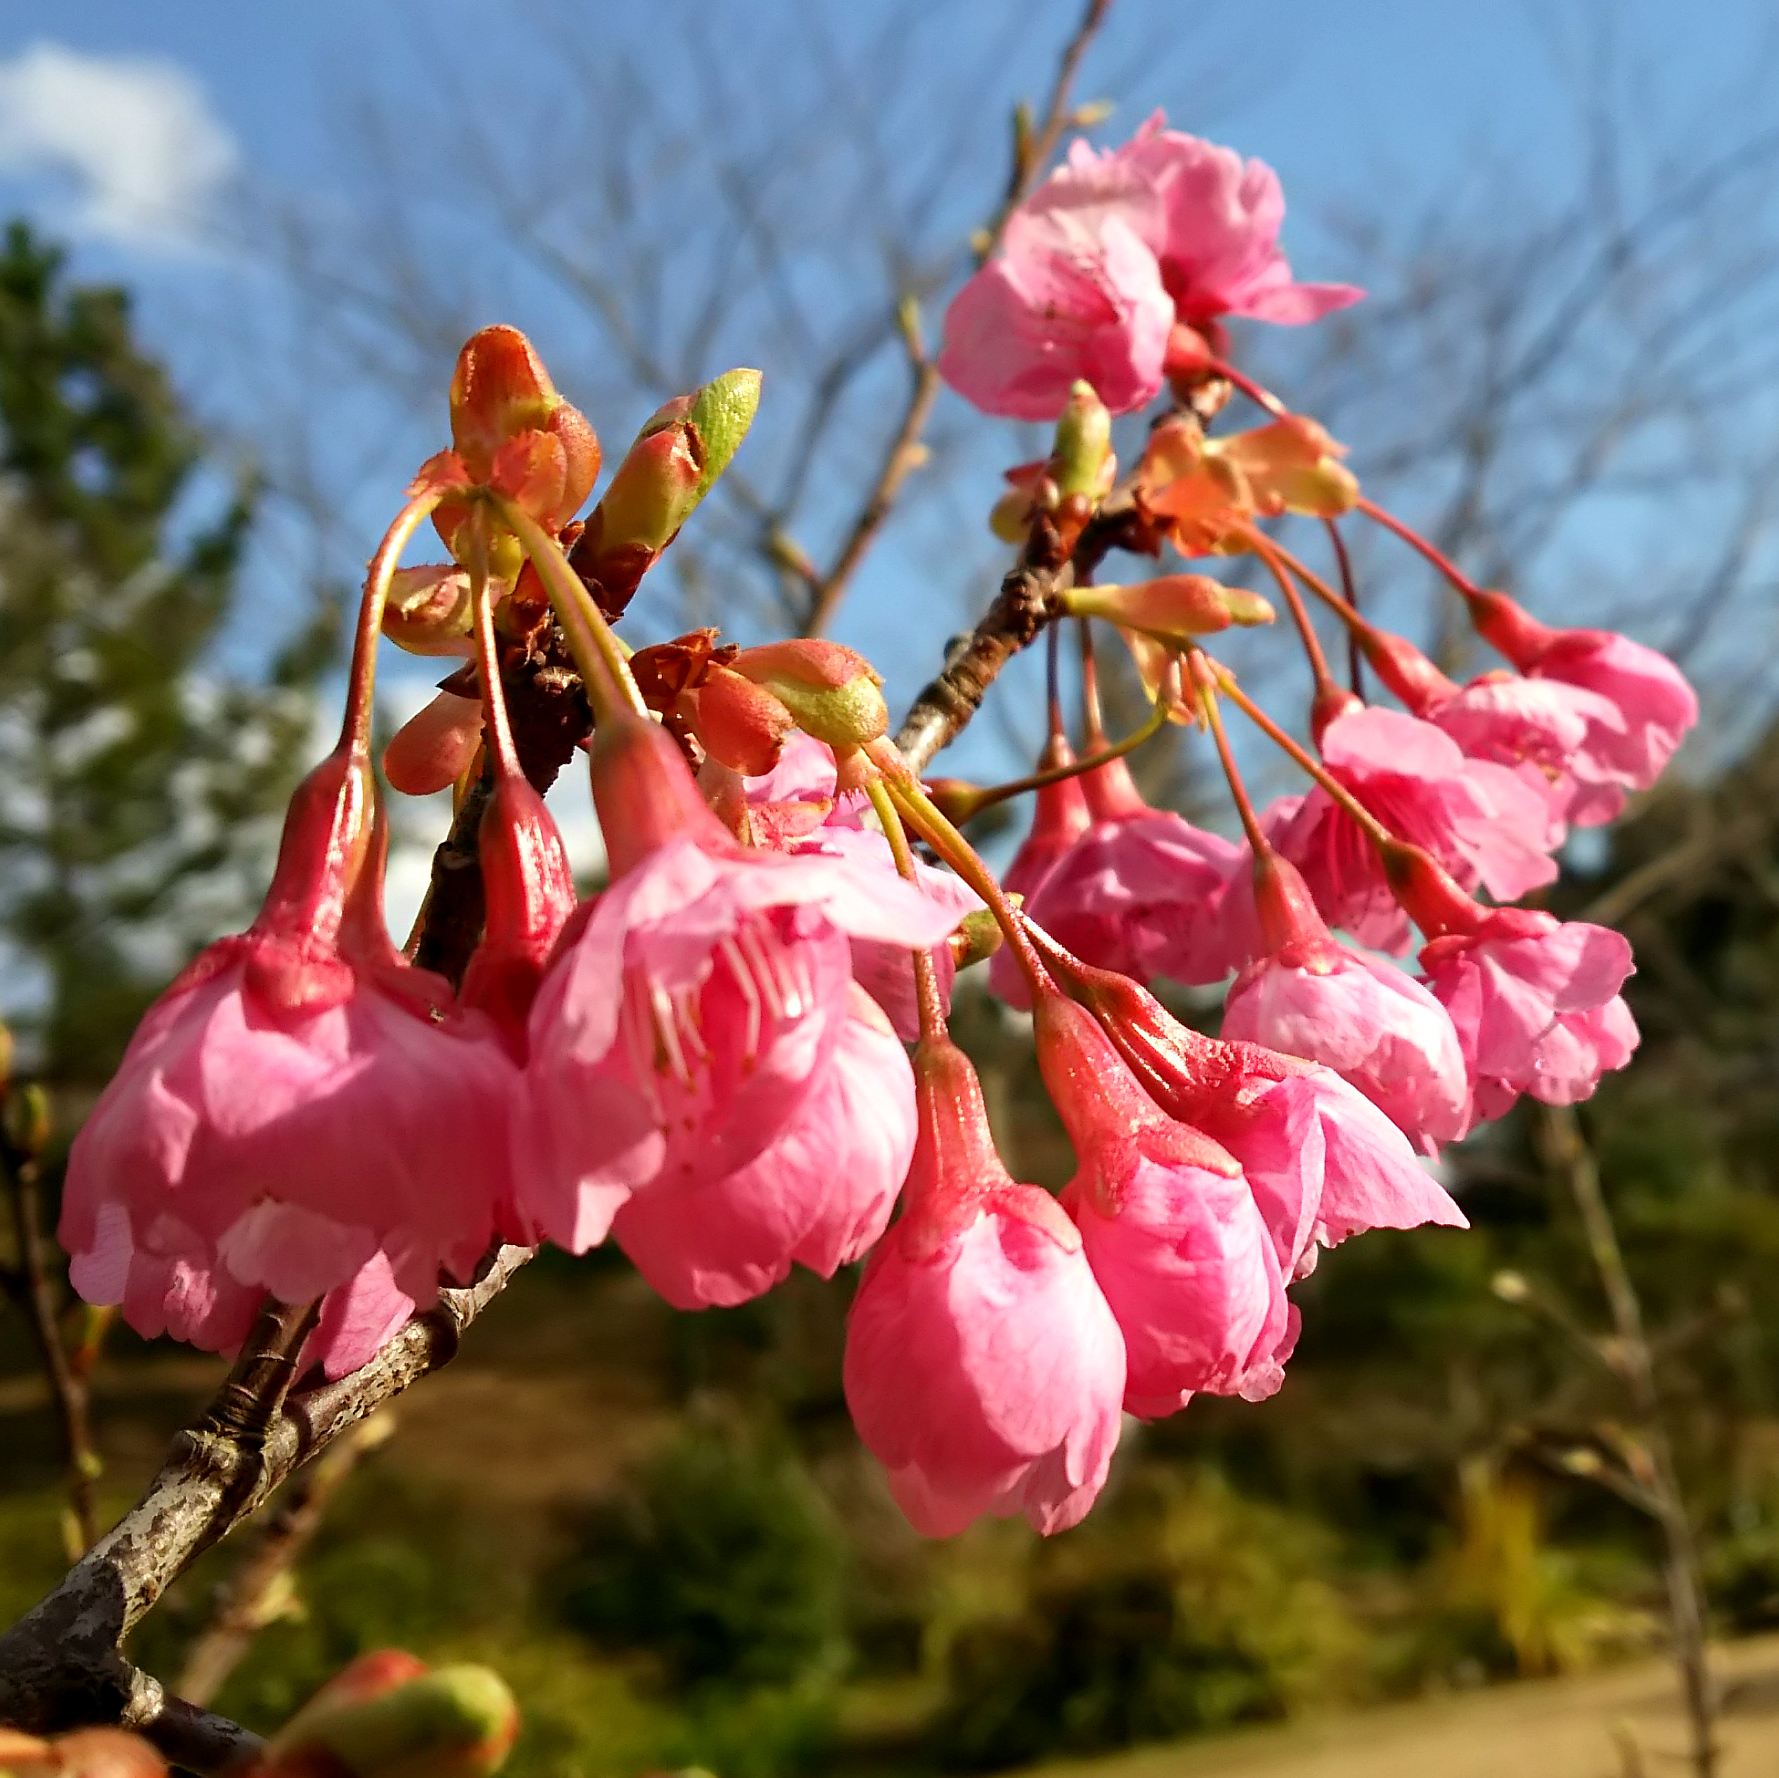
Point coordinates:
[(834, 694), (86, 1753), (1174, 608), (1083, 461), (28, 1121), (956, 799), (429, 610), (433, 749), (742, 725), (501, 389), (456, 1722), (673, 464), (976, 938)]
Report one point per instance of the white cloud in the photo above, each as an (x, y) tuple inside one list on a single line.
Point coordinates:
[(134, 135)]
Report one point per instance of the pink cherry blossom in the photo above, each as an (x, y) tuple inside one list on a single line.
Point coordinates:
[(1376, 1027), (1549, 731), (1655, 704), (1105, 256), (983, 1367), (1139, 892), (1170, 1229), (1221, 216), (1063, 301), (1060, 817), (820, 1192), (1322, 1161), (1536, 1005), (1483, 821), (691, 1006), (298, 1103)]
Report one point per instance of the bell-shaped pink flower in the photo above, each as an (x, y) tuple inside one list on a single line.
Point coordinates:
[(820, 1192), (1655, 704), (1322, 1161), (691, 1006), (1060, 817), (1141, 891), (1549, 731), (1483, 821), (1170, 1229), (983, 1367), (299, 1104), (1535, 1000), (1377, 1028)]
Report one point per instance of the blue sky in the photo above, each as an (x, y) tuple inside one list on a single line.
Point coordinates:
[(219, 111)]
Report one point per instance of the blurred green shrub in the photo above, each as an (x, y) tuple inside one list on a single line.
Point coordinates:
[(1179, 1608), (719, 1559)]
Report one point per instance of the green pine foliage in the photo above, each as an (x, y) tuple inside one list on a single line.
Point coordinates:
[(139, 779)]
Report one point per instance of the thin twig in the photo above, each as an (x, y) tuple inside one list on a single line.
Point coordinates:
[(1570, 1156), (906, 452), (36, 1294)]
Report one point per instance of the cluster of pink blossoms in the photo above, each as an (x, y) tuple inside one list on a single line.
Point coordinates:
[(707, 1060)]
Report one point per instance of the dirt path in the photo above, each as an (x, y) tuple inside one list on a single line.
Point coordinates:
[(1546, 1729)]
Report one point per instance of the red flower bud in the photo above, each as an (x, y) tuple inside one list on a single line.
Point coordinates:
[(834, 693), (1173, 609), (433, 749)]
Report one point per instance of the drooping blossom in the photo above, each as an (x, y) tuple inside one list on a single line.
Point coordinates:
[(1550, 732), (1170, 1228), (1322, 1161), (1555, 733), (1483, 821), (983, 1367), (1140, 892), (1375, 1026), (299, 1107), (1101, 261), (692, 1004), (1060, 817), (1535, 1000), (1656, 705), (819, 1193)]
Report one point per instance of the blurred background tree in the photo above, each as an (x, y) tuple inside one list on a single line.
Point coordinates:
[(143, 778)]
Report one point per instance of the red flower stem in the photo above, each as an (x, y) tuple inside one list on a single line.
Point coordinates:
[(1053, 683), (933, 827), (494, 697), (1275, 559), (1257, 393), (1205, 679), (604, 671), (1375, 831), (926, 979), (999, 793), (1357, 626), (355, 728), (1416, 541), (1092, 722), (1350, 587)]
